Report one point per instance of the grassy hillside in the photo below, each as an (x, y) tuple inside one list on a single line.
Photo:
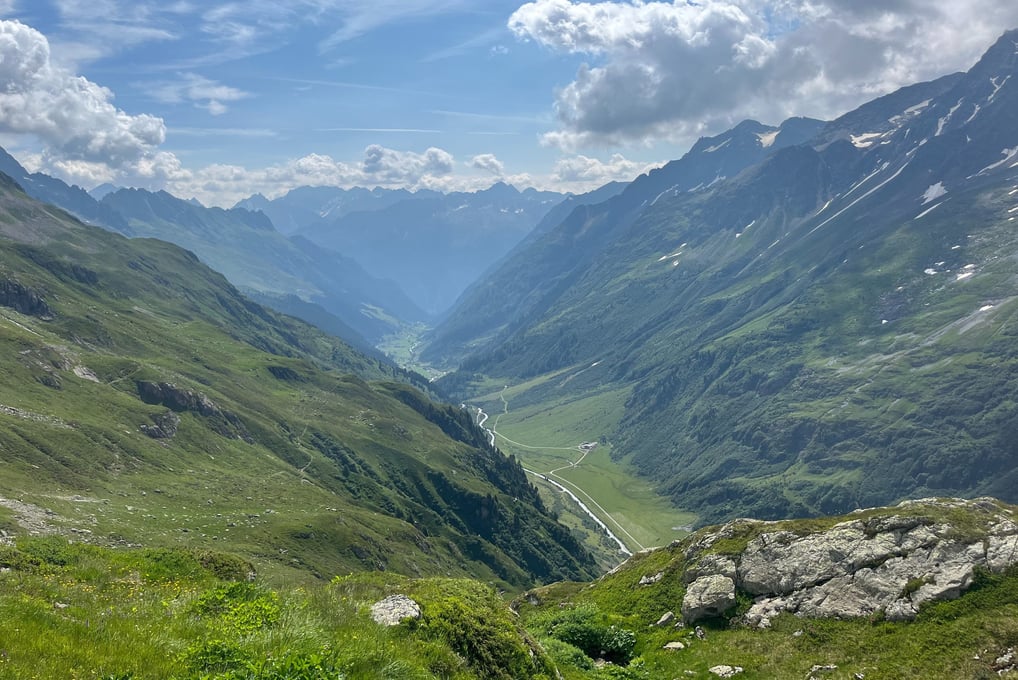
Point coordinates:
[(146, 402), (81, 611), (77, 611), (246, 248)]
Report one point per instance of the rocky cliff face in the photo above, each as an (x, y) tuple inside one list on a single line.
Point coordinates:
[(23, 299), (872, 562)]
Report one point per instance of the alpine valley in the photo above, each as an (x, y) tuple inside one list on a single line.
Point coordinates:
[(787, 321), (814, 324)]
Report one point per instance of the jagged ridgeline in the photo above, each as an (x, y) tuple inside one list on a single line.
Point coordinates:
[(144, 401), (790, 320)]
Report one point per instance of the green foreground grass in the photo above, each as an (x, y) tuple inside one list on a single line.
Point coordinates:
[(79, 611), (71, 610)]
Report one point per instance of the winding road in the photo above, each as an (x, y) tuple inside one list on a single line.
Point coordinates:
[(559, 482)]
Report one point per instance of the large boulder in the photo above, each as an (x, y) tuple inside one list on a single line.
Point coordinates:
[(708, 597)]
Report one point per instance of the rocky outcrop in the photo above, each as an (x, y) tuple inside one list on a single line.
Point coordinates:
[(176, 398), (890, 561), (394, 609), (164, 425), (23, 299), (183, 400)]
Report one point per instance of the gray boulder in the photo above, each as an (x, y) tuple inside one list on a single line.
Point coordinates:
[(708, 596)]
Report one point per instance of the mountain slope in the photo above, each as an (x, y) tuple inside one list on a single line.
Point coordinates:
[(435, 246), (529, 280), (830, 328), (247, 249), (74, 200), (145, 401)]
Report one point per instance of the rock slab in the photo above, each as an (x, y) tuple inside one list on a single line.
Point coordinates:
[(889, 562)]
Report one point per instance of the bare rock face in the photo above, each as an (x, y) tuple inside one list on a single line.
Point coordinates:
[(394, 609), (890, 562), (708, 597), (23, 299), (182, 400), (164, 426)]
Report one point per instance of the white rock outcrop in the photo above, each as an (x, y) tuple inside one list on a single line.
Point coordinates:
[(892, 563), (394, 609)]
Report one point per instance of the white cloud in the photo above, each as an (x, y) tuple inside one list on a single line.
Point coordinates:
[(204, 93), (488, 163), (224, 185), (674, 70), (73, 118), (100, 28), (387, 166), (584, 173)]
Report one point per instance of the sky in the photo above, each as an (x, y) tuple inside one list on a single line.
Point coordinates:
[(220, 99)]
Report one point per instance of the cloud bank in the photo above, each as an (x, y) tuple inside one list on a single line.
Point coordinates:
[(84, 134), (675, 70)]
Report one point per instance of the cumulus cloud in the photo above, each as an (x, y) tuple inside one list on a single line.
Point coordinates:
[(488, 163), (388, 166), (224, 185), (674, 70), (202, 92), (380, 166), (587, 173), (83, 133)]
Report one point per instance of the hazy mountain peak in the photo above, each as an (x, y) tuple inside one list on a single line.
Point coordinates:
[(102, 190)]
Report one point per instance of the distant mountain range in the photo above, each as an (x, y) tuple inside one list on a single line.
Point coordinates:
[(433, 245), (359, 262), (305, 207), (277, 270), (805, 319)]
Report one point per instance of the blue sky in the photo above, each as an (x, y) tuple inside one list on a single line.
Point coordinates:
[(219, 99)]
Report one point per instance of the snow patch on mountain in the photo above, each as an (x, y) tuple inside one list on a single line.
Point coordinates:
[(996, 87), (909, 113), (1009, 155), (942, 123), (717, 147), (934, 192), (767, 138), (866, 140), (868, 193), (929, 210)]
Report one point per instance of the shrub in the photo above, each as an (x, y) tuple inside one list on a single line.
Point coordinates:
[(565, 654), (216, 656), (584, 628), (241, 606)]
